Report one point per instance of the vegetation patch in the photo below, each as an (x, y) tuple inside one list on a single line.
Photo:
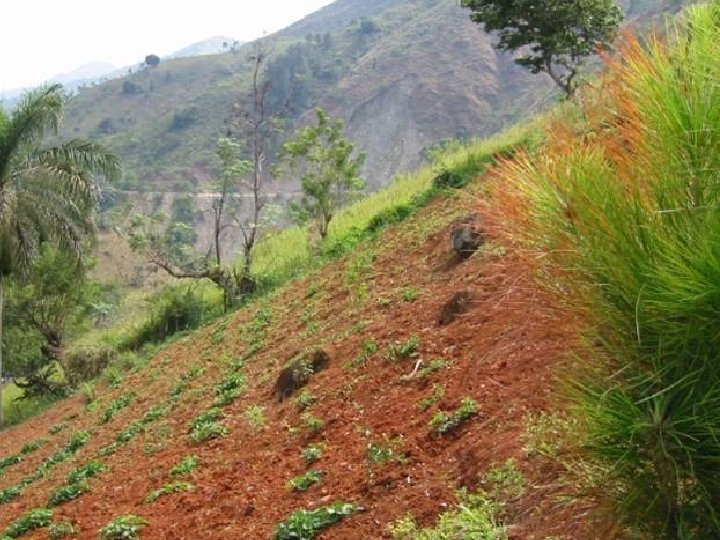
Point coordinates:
[(61, 529), (37, 518), (304, 481), (443, 423), (173, 487), (116, 406), (125, 527), (306, 524), (29, 448), (68, 493)]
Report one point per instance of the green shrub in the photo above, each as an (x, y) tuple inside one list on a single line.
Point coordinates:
[(126, 527), (305, 524)]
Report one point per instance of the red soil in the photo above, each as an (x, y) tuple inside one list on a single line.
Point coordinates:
[(503, 353)]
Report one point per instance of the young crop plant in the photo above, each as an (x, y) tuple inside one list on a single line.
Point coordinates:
[(89, 470), (304, 481), (61, 529), (368, 347), (255, 415), (205, 426), (401, 350), (57, 428), (230, 389), (381, 454), (28, 448), (410, 294), (313, 424), (37, 518), (186, 466), (304, 399), (125, 527), (312, 452), (437, 394), (443, 423), (10, 494), (306, 524), (68, 493), (115, 406), (177, 486)]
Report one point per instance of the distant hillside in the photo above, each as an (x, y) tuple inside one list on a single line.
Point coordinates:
[(403, 73), (213, 45)]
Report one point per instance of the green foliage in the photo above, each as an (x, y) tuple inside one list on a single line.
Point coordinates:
[(631, 218), (173, 487), (330, 175), (444, 423), (304, 400), (10, 494), (435, 365), (231, 387), (305, 524), (255, 415), (28, 448), (555, 39), (61, 529), (304, 481), (437, 394), (116, 406), (312, 452), (313, 424), (205, 426), (186, 466), (125, 527), (475, 517), (410, 294), (55, 429), (402, 350), (37, 518), (67, 493), (90, 469), (383, 453)]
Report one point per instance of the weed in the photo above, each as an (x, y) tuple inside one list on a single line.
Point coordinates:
[(304, 481), (547, 433), (126, 527), (305, 524), (410, 294), (444, 423), (304, 400), (186, 466), (438, 393), (173, 487), (61, 529), (401, 350), (255, 415), (34, 519), (312, 452)]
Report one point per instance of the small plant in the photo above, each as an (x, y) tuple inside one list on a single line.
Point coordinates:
[(207, 431), (123, 528), (218, 335), (173, 487), (410, 294), (304, 481), (444, 423), (34, 519), (368, 347), (10, 494), (90, 469), (305, 524), (255, 415), (88, 391), (57, 428), (436, 364), (304, 399), (67, 493), (313, 424), (380, 454), (437, 394), (115, 406), (230, 389), (186, 466), (402, 350), (61, 529), (113, 377), (312, 452)]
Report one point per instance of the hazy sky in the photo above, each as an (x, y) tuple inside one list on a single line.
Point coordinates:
[(42, 38)]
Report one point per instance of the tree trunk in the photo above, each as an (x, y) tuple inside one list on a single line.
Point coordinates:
[(2, 415)]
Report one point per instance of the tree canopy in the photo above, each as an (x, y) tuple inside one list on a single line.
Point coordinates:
[(554, 36)]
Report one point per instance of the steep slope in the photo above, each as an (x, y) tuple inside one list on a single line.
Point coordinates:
[(375, 313)]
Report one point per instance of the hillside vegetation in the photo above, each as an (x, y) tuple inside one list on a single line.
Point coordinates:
[(557, 380)]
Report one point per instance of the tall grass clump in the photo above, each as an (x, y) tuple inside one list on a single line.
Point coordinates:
[(629, 215)]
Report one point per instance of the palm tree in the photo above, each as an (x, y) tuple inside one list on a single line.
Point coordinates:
[(46, 193)]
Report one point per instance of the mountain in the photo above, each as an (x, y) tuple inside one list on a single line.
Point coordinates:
[(213, 45), (86, 72)]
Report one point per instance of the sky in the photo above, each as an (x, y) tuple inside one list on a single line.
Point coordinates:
[(43, 38)]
